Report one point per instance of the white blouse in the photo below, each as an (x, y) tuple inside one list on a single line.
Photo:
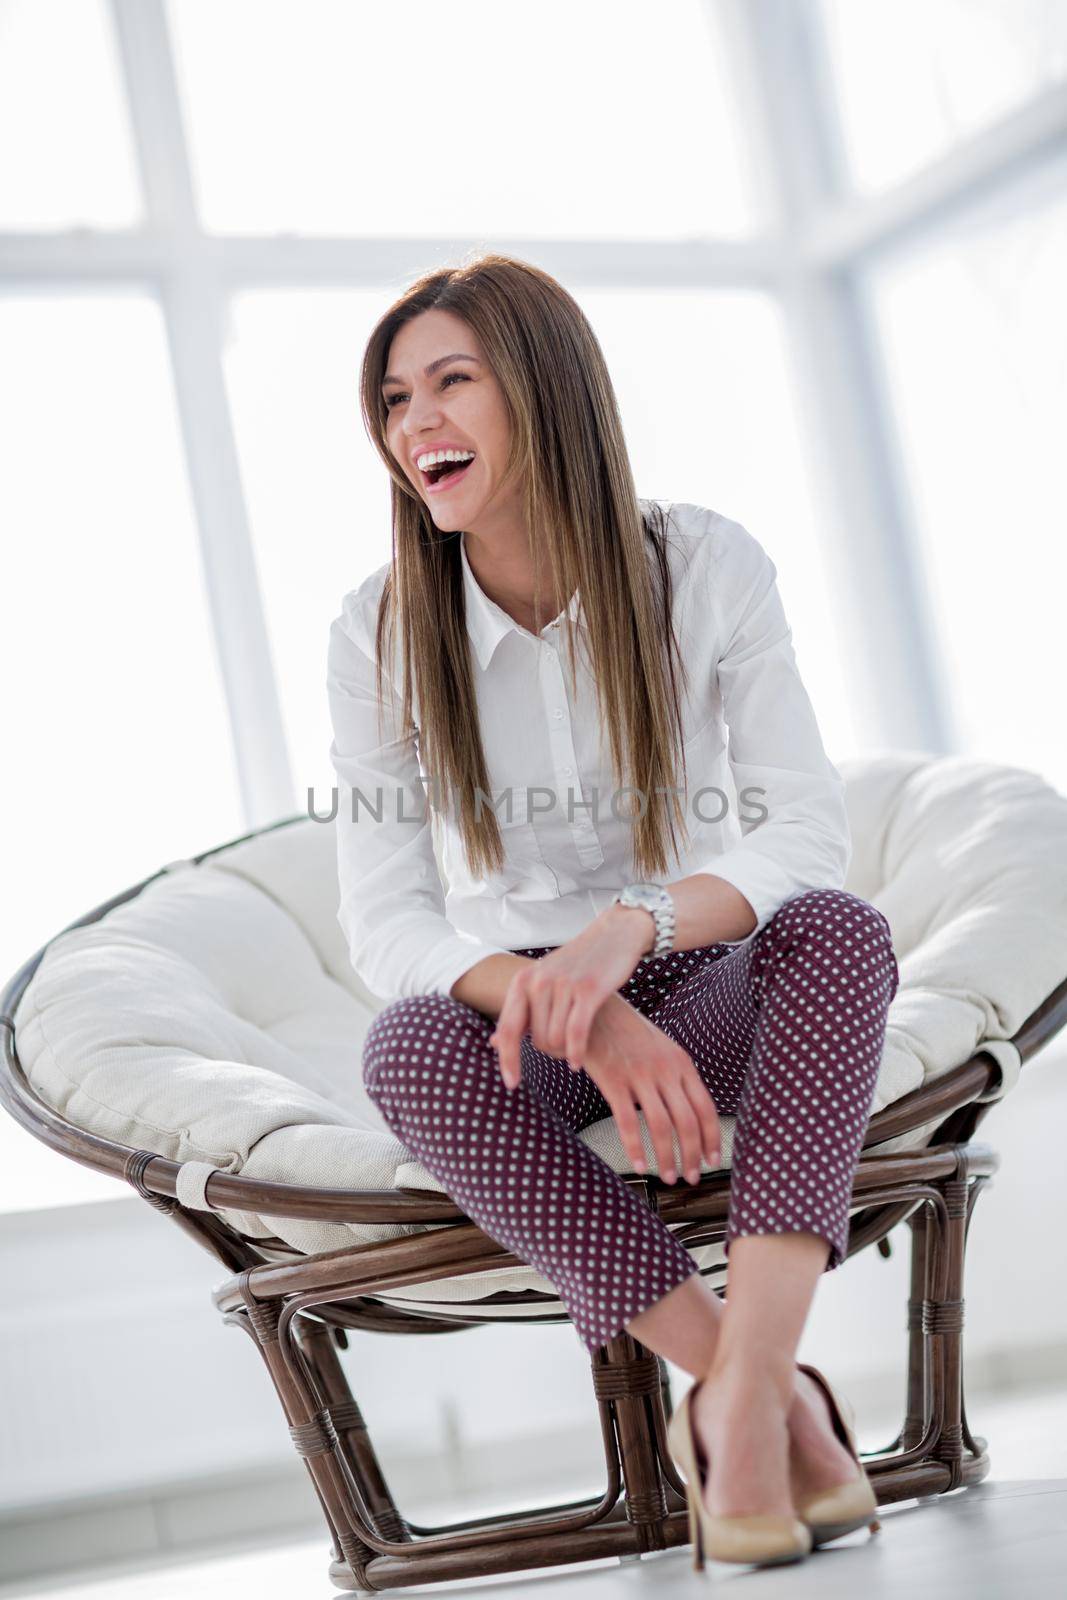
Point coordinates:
[(567, 853)]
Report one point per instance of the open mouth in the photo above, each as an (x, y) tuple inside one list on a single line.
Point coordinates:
[(445, 474)]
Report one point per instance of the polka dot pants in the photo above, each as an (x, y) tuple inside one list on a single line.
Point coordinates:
[(786, 1030)]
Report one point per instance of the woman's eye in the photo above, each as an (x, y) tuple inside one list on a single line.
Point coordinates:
[(391, 400)]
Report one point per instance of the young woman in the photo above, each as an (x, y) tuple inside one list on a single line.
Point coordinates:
[(735, 973)]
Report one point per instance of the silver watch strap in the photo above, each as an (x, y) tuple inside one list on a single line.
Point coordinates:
[(665, 926), (663, 915)]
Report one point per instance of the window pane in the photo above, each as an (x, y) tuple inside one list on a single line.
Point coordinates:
[(318, 495), (972, 326), (63, 110), (701, 381), (487, 119), (915, 76), (117, 735), (706, 400)]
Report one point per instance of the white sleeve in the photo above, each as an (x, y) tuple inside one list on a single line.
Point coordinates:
[(803, 842), (392, 905)]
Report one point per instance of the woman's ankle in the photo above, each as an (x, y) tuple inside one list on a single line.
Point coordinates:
[(755, 1370)]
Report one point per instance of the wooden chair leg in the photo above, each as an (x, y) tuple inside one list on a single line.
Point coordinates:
[(943, 1320), (974, 1442), (938, 1451), (628, 1379), (317, 1342), (967, 1460), (918, 1399), (318, 1405), (313, 1436)]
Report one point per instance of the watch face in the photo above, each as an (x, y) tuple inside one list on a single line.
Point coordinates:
[(644, 894)]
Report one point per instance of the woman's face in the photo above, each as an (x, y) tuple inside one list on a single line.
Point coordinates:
[(440, 393)]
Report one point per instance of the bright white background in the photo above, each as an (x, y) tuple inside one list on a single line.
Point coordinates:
[(823, 244)]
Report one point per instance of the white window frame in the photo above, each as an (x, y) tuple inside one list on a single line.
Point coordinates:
[(814, 261)]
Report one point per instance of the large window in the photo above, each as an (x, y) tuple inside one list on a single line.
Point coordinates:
[(115, 723), (824, 263), (63, 108), (560, 121), (914, 78), (972, 325)]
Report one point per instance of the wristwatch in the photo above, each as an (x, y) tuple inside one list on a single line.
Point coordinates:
[(655, 898)]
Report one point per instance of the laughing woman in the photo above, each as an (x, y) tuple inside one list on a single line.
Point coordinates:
[(554, 664)]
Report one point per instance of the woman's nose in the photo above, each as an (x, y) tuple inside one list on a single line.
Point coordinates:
[(422, 413)]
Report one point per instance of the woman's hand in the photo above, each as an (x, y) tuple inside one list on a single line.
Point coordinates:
[(555, 999), (568, 1002), (633, 1063)]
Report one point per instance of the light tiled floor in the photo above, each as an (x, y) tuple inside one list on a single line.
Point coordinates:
[(1005, 1537)]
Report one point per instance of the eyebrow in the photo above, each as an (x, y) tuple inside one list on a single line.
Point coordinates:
[(432, 368)]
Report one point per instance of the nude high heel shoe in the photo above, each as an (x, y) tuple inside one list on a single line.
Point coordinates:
[(760, 1539), (835, 1512)]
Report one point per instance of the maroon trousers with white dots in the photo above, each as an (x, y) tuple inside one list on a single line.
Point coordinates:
[(787, 1032)]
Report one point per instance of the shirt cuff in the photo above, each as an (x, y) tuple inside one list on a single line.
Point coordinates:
[(762, 881), (451, 959)]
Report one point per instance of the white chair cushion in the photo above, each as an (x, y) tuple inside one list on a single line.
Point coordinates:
[(215, 1018)]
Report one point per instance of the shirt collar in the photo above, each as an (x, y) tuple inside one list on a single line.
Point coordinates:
[(487, 623)]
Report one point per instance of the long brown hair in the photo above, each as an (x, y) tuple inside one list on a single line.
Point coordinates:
[(581, 505)]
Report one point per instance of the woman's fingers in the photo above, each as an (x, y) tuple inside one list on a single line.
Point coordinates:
[(659, 1126), (511, 1024), (687, 1128), (625, 1113), (707, 1115), (562, 1010), (586, 1004), (558, 1007), (541, 993)]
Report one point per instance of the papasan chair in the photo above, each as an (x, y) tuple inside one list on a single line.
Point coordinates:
[(199, 1037)]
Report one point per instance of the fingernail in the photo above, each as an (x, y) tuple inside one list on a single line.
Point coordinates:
[(669, 1175), (639, 1165), (694, 1175)]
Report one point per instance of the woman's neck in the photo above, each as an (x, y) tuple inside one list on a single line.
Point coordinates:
[(503, 571)]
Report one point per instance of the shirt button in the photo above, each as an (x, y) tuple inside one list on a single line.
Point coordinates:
[(567, 771), (557, 713)]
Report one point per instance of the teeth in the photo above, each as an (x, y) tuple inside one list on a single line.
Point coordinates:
[(432, 457)]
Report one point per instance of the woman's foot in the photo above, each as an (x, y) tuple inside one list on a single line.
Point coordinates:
[(819, 1460), (740, 1423), (755, 1436)]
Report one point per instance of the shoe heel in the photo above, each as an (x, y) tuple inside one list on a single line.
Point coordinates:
[(755, 1539), (694, 1532), (838, 1512), (683, 1449)]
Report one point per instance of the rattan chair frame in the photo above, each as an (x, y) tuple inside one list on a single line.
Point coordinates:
[(297, 1313)]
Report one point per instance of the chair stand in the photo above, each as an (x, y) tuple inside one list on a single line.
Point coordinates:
[(642, 1507)]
